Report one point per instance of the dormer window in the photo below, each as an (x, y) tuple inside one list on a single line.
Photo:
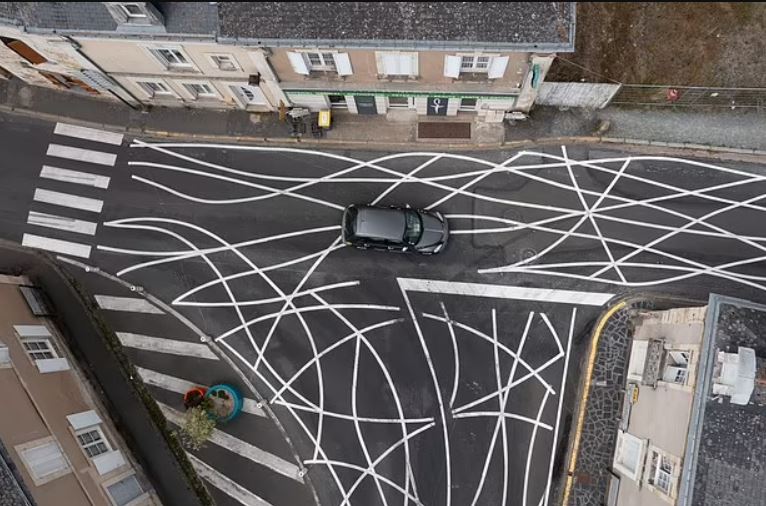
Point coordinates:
[(133, 11)]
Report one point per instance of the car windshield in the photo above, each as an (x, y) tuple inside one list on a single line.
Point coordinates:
[(413, 227), (350, 222)]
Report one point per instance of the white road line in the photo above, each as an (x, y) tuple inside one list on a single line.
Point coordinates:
[(56, 245), (162, 345), (82, 155), (74, 176), (90, 134), (240, 447), (226, 484), (68, 200), (455, 356), (130, 304), (531, 450), (181, 386), (561, 403), (61, 223), (505, 292)]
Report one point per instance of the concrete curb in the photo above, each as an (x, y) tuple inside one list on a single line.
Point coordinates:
[(702, 150)]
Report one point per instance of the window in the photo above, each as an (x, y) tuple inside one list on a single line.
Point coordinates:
[(224, 62), (468, 104), (321, 61), (92, 442), (397, 64), (337, 101), (398, 102), (44, 461), (39, 349), (474, 63), (154, 88), (126, 490), (676, 367), (133, 10), (248, 95), (661, 472), (172, 58), (200, 90)]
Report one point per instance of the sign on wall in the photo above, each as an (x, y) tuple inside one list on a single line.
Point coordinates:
[(437, 106)]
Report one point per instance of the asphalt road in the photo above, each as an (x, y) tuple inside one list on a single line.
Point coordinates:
[(437, 380)]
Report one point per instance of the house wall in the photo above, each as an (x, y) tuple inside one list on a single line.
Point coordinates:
[(136, 62), (661, 415), (40, 404)]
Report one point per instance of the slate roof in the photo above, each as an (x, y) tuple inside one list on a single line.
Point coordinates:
[(467, 24), (729, 460), (193, 18)]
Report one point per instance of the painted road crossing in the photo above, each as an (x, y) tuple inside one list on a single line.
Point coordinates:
[(128, 304), (68, 200), (90, 134), (74, 176), (56, 245), (62, 223), (168, 346), (82, 155)]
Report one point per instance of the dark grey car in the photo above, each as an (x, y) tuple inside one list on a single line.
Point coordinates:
[(394, 228)]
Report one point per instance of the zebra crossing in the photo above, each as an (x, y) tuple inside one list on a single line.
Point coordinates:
[(57, 222), (168, 381)]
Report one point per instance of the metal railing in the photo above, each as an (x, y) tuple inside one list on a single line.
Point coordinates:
[(690, 96)]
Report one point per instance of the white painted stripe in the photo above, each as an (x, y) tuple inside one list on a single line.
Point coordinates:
[(226, 484), (61, 223), (82, 155), (505, 292), (74, 176), (90, 134), (181, 386), (240, 447), (131, 304), (169, 346), (56, 245), (68, 200)]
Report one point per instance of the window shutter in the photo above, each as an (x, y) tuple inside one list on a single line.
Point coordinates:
[(497, 67), (405, 64), (26, 52), (391, 64), (452, 66), (343, 64), (413, 64), (298, 63)]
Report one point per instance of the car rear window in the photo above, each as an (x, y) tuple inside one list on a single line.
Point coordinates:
[(350, 222)]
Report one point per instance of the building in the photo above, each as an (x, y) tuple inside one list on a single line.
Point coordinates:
[(57, 443), (431, 58), (694, 412)]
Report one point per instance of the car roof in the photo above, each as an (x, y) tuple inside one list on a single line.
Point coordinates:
[(380, 223)]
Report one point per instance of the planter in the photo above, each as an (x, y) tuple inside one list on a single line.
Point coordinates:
[(225, 402), (194, 397)]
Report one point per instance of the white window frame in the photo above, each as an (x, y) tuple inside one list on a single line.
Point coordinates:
[(167, 63), (410, 103), (655, 474), (194, 95), (324, 66), (23, 451), (131, 15), (474, 68), (235, 64), (85, 446), (678, 372), (474, 108), (136, 500), (237, 95), (154, 94), (48, 344)]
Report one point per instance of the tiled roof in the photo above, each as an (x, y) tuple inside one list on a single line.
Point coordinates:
[(492, 23)]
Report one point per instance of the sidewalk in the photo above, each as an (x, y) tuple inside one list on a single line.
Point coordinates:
[(739, 130), (173, 479)]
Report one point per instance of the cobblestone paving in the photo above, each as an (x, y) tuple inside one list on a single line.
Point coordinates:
[(603, 412)]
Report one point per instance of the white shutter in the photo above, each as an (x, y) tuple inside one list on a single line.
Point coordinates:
[(45, 460), (391, 64), (85, 419), (405, 64), (413, 64), (343, 64), (298, 63), (497, 67), (108, 462), (452, 66)]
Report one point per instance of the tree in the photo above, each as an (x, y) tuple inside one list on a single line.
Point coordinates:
[(197, 428)]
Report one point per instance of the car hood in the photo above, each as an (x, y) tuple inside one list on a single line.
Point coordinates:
[(433, 231)]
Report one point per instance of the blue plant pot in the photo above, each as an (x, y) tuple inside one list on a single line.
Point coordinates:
[(231, 392)]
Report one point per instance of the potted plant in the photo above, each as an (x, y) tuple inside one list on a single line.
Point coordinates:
[(224, 402), (194, 397), (198, 426)]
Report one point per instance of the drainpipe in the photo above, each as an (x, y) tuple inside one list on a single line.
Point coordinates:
[(77, 47)]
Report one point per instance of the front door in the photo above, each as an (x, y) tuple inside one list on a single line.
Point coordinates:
[(365, 104)]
